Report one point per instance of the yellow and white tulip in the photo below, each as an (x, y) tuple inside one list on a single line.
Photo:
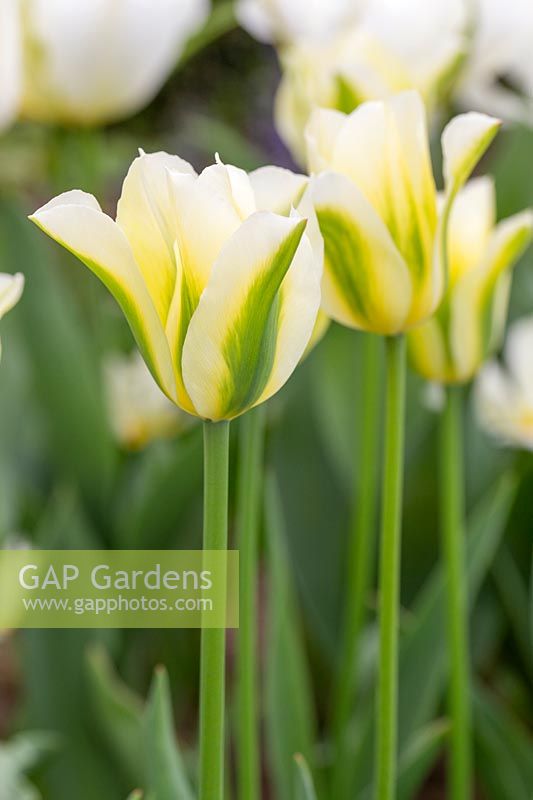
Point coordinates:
[(370, 61), (452, 345), (375, 199), (92, 62), (504, 392), (221, 295), (11, 288), (139, 412)]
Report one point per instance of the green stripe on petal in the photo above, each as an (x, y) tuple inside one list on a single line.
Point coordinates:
[(366, 284), (230, 345), (99, 243)]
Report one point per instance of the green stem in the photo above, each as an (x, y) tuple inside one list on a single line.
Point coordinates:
[(360, 556), (252, 433), (212, 666), (453, 543), (389, 572)]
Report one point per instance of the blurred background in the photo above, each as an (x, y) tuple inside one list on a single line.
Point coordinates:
[(92, 457)]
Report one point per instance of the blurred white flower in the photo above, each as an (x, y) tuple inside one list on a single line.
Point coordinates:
[(286, 22), (499, 73), (394, 47), (504, 393), (11, 288), (90, 62), (139, 411)]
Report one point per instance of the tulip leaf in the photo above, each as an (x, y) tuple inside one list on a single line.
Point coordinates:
[(290, 722), (504, 749), (165, 772), (304, 786), (64, 362), (514, 598), (118, 712)]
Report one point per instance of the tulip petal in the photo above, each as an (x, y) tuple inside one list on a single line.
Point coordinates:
[(428, 350), (11, 288), (464, 140), (76, 222), (366, 281), (277, 189), (10, 61), (321, 134), (147, 218), (230, 355), (471, 223), (479, 302)]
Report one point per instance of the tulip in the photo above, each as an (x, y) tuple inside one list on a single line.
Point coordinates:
[(376, 205), (381, 55), (450, 347), (300, 20), (504, 392), (98, 64), (384, 272), (139, 411), (11, 288), (222, 295), (501, 47)]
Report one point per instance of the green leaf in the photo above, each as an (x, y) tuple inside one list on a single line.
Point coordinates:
[(165, 772), (117, 711), (64, 363), (290, 721), (514, 597), (417, 760), (423, 649), (304, 786), (504, 749)]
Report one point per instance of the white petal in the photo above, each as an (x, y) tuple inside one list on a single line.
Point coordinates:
[(464, 141), (146, 215), (98, 241), (277, 189), (10, 61), (108, 59), (11, 288), (321, 134), (471, 221)]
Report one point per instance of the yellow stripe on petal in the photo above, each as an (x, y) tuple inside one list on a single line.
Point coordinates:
[(230, 347), (99, 243), (146, 215), (427, 351)]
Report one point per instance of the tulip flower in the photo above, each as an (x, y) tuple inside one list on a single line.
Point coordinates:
[(450, 347), (501, 48), (11, 288), (382, 54), (139, 411), (300, 20), (504, 391), (375, 200), (222, 295), (103, 62)]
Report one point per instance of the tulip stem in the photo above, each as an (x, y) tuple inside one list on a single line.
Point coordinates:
[(453, 544), (213, 647), (389, 571), (249, 490), (360, 555)]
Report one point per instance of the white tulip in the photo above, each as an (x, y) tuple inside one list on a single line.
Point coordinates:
[(499, 72), (504, 393), (283, 22), (90, 62)]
